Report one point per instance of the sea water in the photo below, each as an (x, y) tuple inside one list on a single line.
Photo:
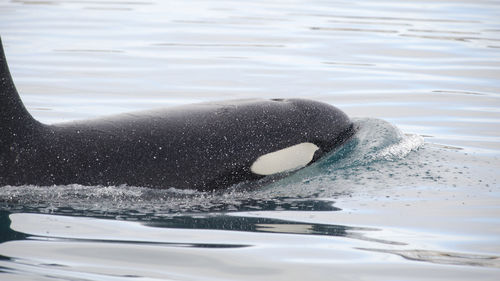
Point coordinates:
[(415, 195)]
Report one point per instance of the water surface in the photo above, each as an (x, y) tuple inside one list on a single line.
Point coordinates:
[(414, 196)]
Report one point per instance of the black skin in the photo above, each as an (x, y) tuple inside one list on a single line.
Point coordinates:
[(203, 146)]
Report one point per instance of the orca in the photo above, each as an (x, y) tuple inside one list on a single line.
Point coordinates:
[(205, 146)]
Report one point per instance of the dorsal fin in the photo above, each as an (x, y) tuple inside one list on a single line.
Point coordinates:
[(15, 119)]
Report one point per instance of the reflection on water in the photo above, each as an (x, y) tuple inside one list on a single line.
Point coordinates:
[(6, 233), (385, 206), (220, 45), (252, 224), (173, 235), (140, 206), (445, 257)]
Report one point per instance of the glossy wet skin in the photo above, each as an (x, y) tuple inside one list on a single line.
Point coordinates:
[(202, 146)]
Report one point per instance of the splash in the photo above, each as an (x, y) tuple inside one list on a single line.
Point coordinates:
[(376, 140)]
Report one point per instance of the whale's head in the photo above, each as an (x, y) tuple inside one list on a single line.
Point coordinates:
[(307, 131)]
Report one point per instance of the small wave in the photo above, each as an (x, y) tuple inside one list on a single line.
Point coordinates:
[(377, 140)]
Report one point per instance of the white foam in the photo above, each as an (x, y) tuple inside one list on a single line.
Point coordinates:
[(399, 150)]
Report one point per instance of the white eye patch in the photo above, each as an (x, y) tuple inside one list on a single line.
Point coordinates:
[(286, 159)]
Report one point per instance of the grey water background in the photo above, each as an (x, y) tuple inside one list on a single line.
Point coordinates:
[(414, 196)]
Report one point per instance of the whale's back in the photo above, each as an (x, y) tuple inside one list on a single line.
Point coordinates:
[(202, 146)]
